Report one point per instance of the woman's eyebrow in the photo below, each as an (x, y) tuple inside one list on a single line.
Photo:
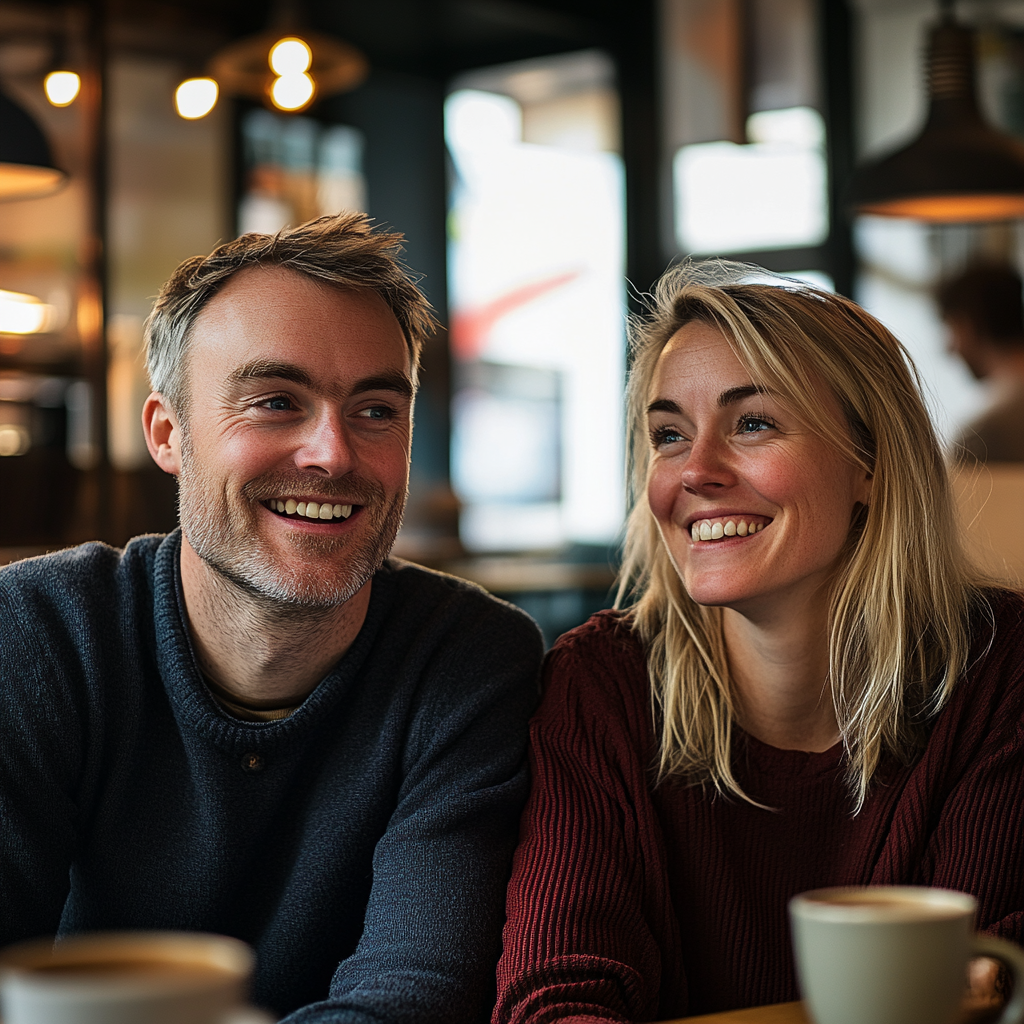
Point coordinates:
[(664, 405), (739, 394)]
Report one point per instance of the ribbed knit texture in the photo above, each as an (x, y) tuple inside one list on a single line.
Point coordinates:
[(368, 836), (630, 903)]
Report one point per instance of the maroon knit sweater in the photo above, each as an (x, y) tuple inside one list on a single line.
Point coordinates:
[(634, 903)]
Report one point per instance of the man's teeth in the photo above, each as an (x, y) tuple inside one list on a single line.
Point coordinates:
[(706, 529), (311, 509)]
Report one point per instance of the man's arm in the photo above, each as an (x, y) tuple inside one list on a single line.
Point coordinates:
[(432, 928), (40, 750)]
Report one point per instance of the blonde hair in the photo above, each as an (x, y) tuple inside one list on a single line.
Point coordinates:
[(900, 600)]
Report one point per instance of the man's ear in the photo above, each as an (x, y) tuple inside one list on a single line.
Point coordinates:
[(163, 433)]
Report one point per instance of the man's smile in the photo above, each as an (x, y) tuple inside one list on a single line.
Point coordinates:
[(325, 511)]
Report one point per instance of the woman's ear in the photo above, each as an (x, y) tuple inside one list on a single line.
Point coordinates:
[(864, 488), (163, 433)]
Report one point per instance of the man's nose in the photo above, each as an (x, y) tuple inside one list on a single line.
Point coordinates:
[(709, 466), (326, 446)]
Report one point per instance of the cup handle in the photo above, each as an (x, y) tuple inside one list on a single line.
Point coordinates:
[(1012, 957)]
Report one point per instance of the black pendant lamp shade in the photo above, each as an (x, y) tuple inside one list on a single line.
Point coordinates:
[(959, 169), (27, 170)]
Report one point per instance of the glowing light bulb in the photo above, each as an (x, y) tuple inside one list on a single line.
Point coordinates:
[(290, 56), (195, 97), (292, 92), (24, 314), (62, 87), (14, 439)]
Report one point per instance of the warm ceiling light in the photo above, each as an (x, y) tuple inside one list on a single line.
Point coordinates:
[(959, 169), (292, 92), (24, 314), (26, 167), (62, 87), (315, 65), (290, 56), (14, 439), (195, 98)]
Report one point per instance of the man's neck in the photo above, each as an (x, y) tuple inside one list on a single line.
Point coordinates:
[(263, 655)]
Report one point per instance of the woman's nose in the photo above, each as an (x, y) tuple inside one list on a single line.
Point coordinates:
[(326, 446), (708, 466)]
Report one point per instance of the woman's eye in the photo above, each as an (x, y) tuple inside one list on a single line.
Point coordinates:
[(754, 424), (661, 436)]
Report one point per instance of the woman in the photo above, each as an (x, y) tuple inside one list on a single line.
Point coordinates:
[(810, 687)]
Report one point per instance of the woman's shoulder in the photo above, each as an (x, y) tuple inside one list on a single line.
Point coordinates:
[(606, 632), (997, 628), (990, 694), (598, 670)]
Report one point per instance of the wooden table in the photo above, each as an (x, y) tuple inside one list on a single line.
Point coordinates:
[(778, 1013)]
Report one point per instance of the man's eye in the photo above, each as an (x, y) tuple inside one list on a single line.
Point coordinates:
[(279, 403), (377, 412)]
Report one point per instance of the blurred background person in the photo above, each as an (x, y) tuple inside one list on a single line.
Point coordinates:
[(983, 311)]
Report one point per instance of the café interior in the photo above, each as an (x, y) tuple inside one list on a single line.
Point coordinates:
[(546, 160)]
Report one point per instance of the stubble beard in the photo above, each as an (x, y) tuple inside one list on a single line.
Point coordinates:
[(224, 532)]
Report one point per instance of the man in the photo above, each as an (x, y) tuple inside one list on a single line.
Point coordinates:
[(982, 308), (259, 725)]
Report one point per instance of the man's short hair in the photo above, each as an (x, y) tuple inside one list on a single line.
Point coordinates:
[(988, 296), (342, 250)]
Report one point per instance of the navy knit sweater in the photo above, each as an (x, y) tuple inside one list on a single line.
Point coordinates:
[(361, 845)]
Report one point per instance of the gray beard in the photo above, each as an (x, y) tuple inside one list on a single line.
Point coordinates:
[(223, 533)]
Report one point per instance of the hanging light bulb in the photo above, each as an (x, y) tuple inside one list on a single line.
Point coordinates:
[(195, 98), (24, 314), (290, 59), (290, 56), (292, 92), (62, 87)]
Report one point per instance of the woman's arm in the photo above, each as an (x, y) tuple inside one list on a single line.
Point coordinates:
[(589, 915)]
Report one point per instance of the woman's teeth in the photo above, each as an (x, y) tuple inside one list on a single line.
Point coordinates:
[(311, 509), (707, 529)]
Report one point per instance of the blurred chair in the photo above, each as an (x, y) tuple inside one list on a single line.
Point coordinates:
[(991, 502)]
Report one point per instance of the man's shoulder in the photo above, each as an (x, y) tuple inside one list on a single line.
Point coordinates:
[(433, 592), (76, 581)]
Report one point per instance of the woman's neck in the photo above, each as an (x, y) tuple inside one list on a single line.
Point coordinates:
[(779, 667)]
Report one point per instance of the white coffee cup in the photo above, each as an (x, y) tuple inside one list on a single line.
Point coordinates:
[(892, 955), (125, 978)]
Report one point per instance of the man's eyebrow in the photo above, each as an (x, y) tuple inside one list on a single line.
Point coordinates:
[(389, 380), (270, 369)]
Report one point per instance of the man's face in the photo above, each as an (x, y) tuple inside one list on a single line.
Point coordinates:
[(295, 446)]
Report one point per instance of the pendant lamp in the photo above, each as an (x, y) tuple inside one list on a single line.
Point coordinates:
[(959, 169), (27, 170)]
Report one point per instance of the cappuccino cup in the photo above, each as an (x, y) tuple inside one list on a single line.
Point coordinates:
[(127, 978), (892, 955)]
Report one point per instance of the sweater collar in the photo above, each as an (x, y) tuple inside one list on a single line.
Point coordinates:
[(191, 701)]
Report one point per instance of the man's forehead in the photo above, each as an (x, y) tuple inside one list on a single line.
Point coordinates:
[(253, 292)]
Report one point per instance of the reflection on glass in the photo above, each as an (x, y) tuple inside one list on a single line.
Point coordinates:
[(536, 302), (768, 194)]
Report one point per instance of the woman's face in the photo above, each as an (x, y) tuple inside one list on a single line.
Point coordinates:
[(753, 507)]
